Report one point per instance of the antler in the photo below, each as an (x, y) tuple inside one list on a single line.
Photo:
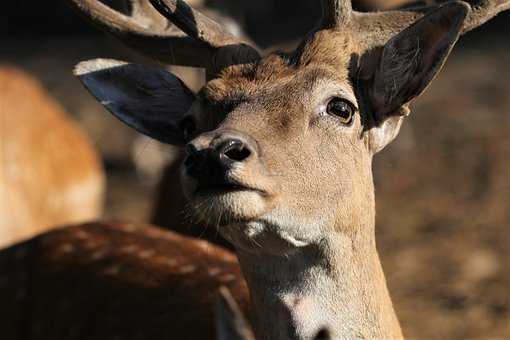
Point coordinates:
[(195, 24), (338, 13), (482, 11), (335, 13), (392, 22), (147, 31)]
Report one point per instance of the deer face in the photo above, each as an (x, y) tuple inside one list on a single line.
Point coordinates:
[(276, 151), (279, 148)]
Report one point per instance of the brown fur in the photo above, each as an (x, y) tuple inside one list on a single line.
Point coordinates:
[(114, 281), (49, 174)]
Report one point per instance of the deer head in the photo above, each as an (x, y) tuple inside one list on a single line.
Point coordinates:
[(279, 147)]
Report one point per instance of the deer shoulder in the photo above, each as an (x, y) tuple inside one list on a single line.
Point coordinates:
[(114, 281)]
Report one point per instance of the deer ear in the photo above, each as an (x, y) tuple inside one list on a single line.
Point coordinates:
[(408, 63), (148, 99)]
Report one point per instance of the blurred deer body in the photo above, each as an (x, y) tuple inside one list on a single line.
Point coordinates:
[(50, 174), (121, 281), (279, 151), (114, 281)]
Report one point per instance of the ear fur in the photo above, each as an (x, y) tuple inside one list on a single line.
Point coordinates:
[(148, 99), (408, 63)]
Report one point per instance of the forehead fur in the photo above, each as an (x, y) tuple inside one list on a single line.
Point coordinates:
[(328, 47), (326, 55)]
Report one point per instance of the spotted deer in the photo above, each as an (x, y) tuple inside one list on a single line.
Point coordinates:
[(279, 152), (50, 174)]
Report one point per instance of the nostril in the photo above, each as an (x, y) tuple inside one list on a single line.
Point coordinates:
[(238, 154), (234, 150)]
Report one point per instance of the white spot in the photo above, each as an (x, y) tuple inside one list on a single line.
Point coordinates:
[(187, 269), (130, 228), (66, 248), (170, 262), (214, 271), (228, 258), (91, 245), (82, 235), (146, 254), (98, 255), (130, 249), (228, 278)]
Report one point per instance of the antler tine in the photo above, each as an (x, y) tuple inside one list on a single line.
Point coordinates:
[(389, 23), (105, 17), (195, 24), (167, 45), (335, 13), (482, 11), (148, 32)]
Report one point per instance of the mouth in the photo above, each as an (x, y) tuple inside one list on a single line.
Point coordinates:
[(226, 187), (227, 201)]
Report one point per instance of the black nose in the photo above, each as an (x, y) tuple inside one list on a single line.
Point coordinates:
[(233, 150), (217, 159)]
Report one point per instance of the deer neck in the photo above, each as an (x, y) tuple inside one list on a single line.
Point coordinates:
[(338, 284)]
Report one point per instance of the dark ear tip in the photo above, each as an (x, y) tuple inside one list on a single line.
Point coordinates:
[(456, 10)]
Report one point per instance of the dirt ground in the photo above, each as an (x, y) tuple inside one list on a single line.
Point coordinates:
[(443, 188), (443, 193)]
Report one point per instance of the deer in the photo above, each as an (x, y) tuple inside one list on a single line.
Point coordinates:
[(231, 323), (120, 280), (50, 173), (279, 148)]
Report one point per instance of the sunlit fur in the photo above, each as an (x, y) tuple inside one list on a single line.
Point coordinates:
[(310, 167), (311, 217)]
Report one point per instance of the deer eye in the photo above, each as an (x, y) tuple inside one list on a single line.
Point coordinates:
[(342, 109)]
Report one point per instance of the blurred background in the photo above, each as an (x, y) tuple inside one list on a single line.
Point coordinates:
[(443, 188)]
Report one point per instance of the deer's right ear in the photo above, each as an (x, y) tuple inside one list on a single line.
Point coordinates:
[(148, 99), (408, 63)]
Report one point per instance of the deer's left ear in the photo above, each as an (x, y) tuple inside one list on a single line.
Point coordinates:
[(408, 63), (146, 98)]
